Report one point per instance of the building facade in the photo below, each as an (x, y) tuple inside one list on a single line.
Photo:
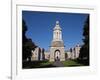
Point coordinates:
[(74, 52), (37, 54)]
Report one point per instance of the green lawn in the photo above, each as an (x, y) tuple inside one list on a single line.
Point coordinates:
[(47, 64), (71, 63), (37, 64)]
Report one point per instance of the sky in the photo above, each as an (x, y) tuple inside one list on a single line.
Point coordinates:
[(40, 27)]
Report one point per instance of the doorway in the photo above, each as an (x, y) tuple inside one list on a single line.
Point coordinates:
[(57, 55)]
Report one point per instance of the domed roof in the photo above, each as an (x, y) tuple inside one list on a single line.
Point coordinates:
[(57, 44), (57, 27)]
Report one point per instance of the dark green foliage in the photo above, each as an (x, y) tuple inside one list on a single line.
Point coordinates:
[(84, 52), (27, 44), (24, 29)]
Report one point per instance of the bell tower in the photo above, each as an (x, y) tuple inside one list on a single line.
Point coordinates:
[(57, 46), (57, 32)]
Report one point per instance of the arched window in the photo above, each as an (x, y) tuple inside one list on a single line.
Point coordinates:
[(57, 35)]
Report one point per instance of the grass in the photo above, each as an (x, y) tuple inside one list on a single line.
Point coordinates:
[(47, 64), (71, 63), (37, 64)]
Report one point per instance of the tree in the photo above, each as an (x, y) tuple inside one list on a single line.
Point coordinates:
[(27, 44), (84, 51)]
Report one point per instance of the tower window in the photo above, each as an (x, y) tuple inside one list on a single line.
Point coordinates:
[(57, 34)]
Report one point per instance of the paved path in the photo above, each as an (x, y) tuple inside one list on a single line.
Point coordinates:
[(58, 64)]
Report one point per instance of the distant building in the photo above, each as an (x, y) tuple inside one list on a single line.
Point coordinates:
[(73, 53), (68, 54), (47, 55), (77, 50), (38, 54)]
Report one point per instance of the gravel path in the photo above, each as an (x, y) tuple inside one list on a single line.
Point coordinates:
[(58, 64)]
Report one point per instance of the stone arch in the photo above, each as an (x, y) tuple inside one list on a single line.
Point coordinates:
[(57, 55)]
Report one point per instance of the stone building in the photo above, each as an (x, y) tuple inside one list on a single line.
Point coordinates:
[(68, 54), (73, 53), (57, 51), (38, 54), (77, 51), (47, 55)]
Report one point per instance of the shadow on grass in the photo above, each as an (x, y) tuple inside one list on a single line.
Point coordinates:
[(47, 64), (37, 64)]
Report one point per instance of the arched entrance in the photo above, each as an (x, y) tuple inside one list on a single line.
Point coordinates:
[(57, 55)]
